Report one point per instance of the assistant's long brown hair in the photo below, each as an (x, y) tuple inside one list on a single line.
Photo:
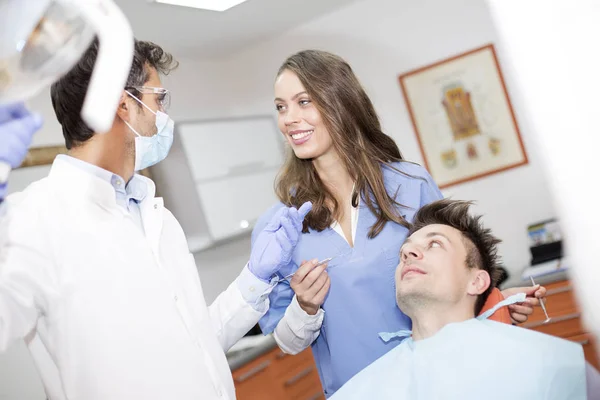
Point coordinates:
[(351, 120)]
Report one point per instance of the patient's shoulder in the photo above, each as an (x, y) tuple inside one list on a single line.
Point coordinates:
[(374, 377), (539, 344)]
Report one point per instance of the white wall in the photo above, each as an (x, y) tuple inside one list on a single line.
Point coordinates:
[(18, 376)]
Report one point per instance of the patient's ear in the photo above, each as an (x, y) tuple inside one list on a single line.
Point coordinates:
[(480, 281)]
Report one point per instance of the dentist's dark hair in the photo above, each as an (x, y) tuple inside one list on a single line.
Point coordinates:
[(351, 120), (481, 245), (68, 93)]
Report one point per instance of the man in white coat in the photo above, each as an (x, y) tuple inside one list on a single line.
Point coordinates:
[(93, 264)]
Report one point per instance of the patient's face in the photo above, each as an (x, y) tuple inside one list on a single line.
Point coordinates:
[(432, 268)]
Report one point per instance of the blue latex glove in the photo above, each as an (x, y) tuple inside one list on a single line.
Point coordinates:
[(274, 245), (17, 126)]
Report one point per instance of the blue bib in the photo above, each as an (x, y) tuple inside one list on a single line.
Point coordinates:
[(476, 359)]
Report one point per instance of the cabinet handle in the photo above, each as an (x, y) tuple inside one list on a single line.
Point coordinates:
[(554, 320), (259, 368), (559, 290), (301, 375)]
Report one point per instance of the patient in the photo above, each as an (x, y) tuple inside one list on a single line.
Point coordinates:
[(448, 267)]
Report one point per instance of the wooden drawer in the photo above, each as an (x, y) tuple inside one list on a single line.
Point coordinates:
[(252, 381), (303, 383), (590, 349), (564, 326), (279, 376), (284, 363), (255, 368), (560, 301)]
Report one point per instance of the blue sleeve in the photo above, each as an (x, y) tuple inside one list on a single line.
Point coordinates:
[(417, 179), (282, 294), (412, 187), (429, 190)]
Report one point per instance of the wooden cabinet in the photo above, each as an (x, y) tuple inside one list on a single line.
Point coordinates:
[(565, 321), (279, 376)]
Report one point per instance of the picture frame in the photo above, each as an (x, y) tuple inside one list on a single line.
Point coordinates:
[(463, 118)]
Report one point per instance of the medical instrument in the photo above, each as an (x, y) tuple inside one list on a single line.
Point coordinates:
[(324, 261), (41, 40), (542, 304)]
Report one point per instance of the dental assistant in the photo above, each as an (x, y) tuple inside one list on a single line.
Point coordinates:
[(364, 195), (94, 265)]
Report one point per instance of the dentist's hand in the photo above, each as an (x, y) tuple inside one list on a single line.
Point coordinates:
[(17, 126), (274, 245)]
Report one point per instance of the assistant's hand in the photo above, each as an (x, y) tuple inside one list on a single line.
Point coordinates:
[(519, 313), (274, 245), (311, 285)]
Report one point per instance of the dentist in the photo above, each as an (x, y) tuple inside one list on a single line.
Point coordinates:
[(95, 265)]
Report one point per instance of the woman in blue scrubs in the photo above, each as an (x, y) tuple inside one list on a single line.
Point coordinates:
[(363, 194)]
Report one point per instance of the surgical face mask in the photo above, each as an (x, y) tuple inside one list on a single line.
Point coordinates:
[(150, 150)]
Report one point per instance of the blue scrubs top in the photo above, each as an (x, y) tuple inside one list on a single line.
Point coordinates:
[(362, 298)]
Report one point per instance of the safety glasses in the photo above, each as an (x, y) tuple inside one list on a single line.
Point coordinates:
[(163, 95)]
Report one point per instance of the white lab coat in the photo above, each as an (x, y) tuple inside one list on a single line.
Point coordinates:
[(121, 314)]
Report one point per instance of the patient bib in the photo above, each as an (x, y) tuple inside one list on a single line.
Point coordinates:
[(475, 359)]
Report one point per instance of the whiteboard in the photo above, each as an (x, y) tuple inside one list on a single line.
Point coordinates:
[(216, 149), (232, 206)]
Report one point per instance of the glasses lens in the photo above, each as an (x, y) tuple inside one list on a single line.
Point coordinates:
[(164, 100)]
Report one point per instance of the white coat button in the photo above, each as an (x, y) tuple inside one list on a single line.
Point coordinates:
[(176, 298), (252, 289), (156, 206)]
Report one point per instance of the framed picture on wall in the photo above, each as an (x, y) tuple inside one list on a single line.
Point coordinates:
[(463, 118)]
